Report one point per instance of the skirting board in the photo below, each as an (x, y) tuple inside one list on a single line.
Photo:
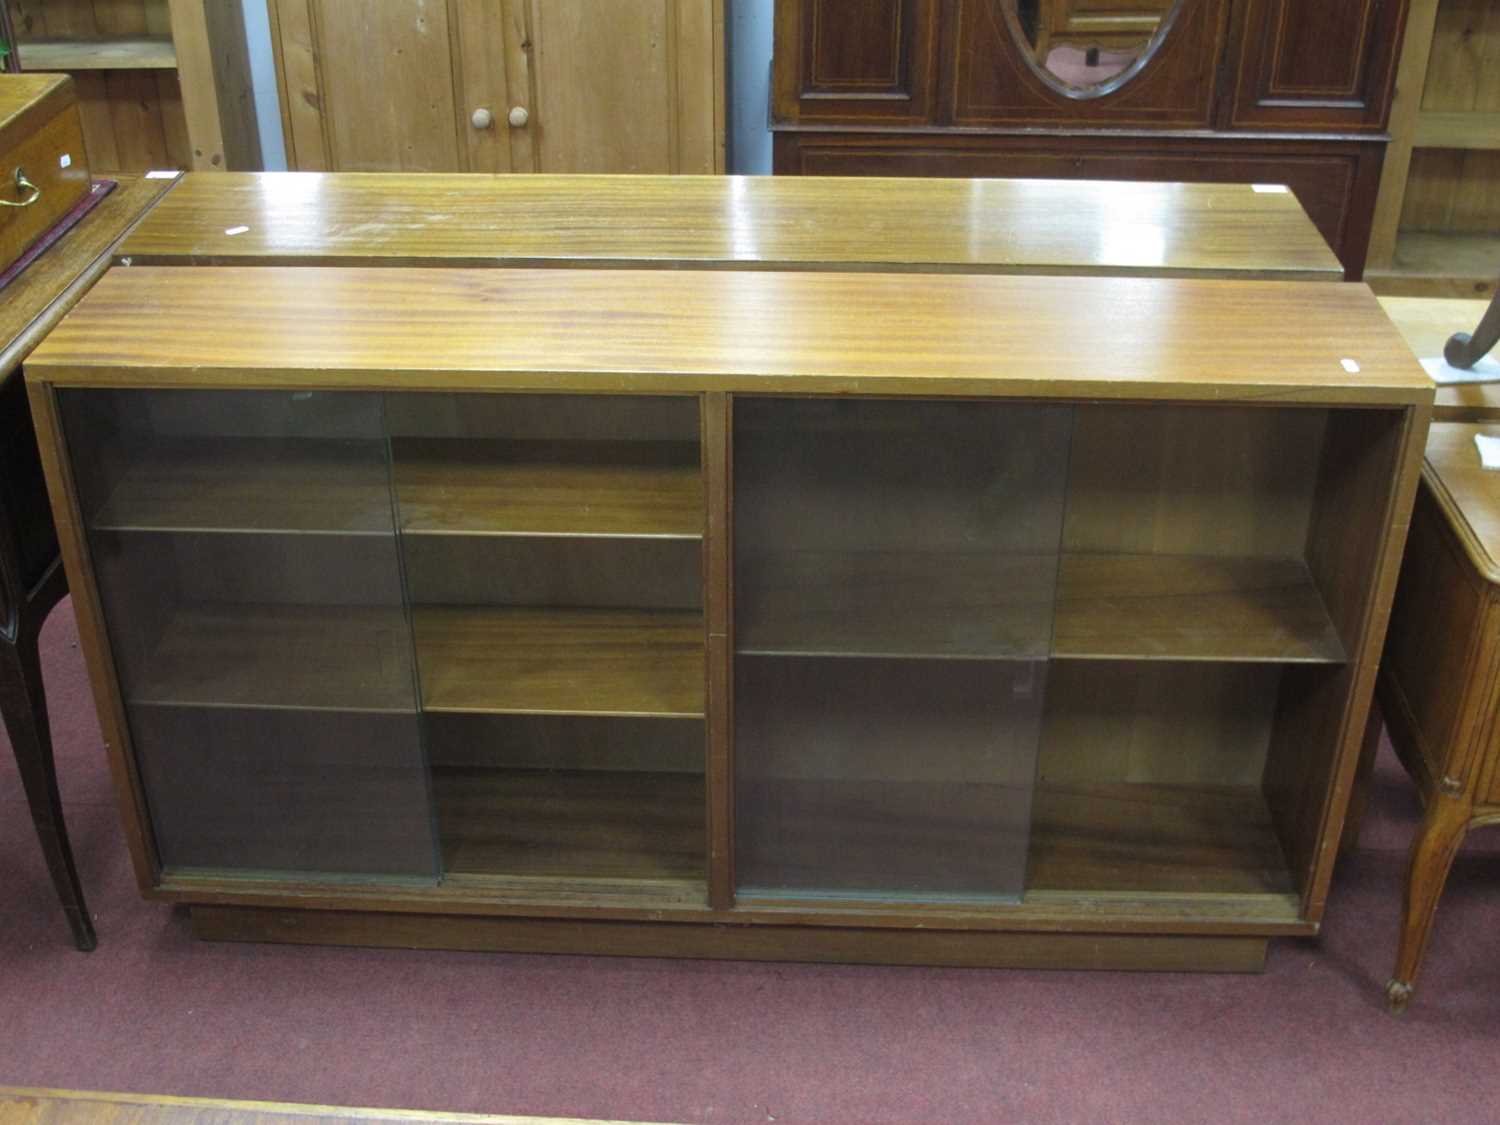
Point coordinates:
[(1163, 953)]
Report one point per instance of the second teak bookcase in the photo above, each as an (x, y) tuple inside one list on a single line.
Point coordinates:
[(802, 616)]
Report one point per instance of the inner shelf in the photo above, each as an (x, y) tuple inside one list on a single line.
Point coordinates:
[(569, 488), (482, 659), (252, 484), (1107, 606), (1154, 839), (1135, 840), (566, 824), (251, 655)]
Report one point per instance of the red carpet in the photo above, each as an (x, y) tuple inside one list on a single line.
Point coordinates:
[(152, 1011)]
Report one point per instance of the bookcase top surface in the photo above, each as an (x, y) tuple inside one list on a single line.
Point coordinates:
[(789, 222), (673, 331)]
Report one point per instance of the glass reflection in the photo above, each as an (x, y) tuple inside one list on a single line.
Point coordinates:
[(1085, 44)]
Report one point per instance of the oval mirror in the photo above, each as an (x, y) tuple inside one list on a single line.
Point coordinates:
[(1089, 47)]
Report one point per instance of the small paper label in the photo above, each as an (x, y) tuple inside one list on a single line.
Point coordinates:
[(163, 174), (235, 230), (1487, 370), (65, 160), (1350, 365), (1489, 450), (1271, 189)]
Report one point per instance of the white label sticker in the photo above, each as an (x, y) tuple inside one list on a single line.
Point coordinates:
[(163, 174), (1271, 189), (65, 160), (1350, 365), (1489, 450), (1487, 370), (235, 230)]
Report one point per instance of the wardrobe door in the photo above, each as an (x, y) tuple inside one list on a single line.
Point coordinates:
[(856, 60), (1327, 65)]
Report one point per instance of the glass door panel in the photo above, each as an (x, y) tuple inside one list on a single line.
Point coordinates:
[(246, 553), (553, 550), (895, 576)]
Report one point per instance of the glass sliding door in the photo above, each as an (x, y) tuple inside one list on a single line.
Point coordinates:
[(246, 554), (553, 550), (895, 576)]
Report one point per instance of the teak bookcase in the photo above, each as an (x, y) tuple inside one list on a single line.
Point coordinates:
[(951, 619)]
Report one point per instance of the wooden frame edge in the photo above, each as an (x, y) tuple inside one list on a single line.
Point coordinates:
[(93, 639)]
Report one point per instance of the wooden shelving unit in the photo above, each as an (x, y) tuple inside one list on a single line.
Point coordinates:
[(1029, 607), (145, 53), (554, 824), (251, 484), (1156, 839), (1191, 607), (1436, 231), (608, 488), (299, 657), (560, 661), (781, 643), (161, 83)]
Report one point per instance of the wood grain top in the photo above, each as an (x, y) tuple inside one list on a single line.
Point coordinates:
[(982, 226), (758, 332), (28, 100), (52, 284), (1468, 493), (22, 1106), (1426, 323)]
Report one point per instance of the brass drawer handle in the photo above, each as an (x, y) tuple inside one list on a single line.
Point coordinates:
[(27, 190)]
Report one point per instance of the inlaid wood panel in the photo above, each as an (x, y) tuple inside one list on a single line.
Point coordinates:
[(857, 59), (997, 82), (1328, 65)]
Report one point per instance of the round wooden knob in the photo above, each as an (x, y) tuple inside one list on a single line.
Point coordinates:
[(519, 116), (482, 119)]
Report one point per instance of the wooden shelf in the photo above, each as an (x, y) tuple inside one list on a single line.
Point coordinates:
[(895, 604), (1438, 264), (98, 54), (581, 488), (480, 659), (250, 484), (296, 657), (1154, 839), (1130, 839), (1108, 607), (572, 824), (1191, 607), (1465, 129)]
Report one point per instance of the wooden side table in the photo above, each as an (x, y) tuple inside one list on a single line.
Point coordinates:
[(32, 580), (1439, 685)]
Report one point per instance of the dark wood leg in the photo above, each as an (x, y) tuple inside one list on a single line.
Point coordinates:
[(25, 709), (1359, 796), (1443, 830)]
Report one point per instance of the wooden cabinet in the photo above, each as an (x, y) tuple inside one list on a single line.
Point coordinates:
[(161, 83), (727, 613), (502, 85), (1437, 224), (1438, 678), (1286, 93)]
